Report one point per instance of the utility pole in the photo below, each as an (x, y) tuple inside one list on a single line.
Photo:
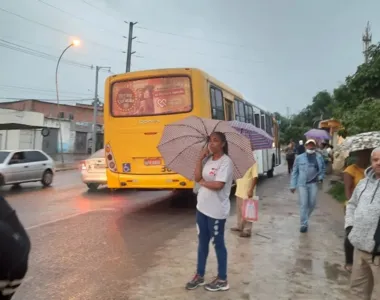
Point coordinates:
[(96, 103), (367, 39), (288, 112), (129, 51)]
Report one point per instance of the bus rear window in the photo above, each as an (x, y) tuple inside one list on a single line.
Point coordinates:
[(152, 96)]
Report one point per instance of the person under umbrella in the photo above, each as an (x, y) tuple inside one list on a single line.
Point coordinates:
[(225, 155), (213, 207), (352, 176), (363, 230)]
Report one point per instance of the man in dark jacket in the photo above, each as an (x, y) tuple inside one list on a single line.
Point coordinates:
[(14, 251)]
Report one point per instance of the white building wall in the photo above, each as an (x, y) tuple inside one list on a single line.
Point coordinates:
[(14, 139), (68, 137)]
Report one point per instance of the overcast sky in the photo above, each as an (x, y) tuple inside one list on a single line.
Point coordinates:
[(278, 53)]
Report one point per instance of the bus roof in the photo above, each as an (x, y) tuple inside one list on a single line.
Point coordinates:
[(205, 74)]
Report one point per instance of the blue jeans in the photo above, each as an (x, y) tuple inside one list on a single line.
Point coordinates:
[(211, 229), (307, 201)]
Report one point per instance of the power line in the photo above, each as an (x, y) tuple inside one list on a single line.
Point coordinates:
[(216, 69), (41, 45), (171, 33), (30, 51), (79, 18), (193, 37), (40, 54), (55, 29), (197, 52), (97, 8), (53, 100), (40, 90)]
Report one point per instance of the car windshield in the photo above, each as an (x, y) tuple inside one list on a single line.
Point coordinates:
[(3, 156), (98, 154)]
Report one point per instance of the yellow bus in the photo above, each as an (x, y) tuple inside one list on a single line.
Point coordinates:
[(138, 105)]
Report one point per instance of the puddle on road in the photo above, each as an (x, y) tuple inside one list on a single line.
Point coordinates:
[(322, 269)]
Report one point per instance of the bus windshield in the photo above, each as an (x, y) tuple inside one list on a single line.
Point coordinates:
[(151, 96)]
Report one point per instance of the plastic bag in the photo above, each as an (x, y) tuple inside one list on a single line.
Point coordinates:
[(251, 209)]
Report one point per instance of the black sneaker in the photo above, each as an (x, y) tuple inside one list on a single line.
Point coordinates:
[(217, 285), (195, 282), (303, 229)]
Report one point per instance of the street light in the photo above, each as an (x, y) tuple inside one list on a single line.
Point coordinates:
[(74, 43)]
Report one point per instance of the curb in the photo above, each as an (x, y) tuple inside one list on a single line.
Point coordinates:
[(66, 169)]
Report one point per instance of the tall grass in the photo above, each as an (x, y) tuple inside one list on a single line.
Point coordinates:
[(337, 192)]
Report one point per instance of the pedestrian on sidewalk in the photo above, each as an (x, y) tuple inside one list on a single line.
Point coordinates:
[(14, 251), (290, 156), (245, 189), (308, 172), (362, 225), (213, 208), (352, 176), (300, 148)]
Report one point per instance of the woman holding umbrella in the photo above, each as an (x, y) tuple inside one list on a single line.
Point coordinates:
[(211, 153), (213, 208)]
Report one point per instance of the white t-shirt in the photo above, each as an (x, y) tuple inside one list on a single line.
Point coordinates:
[(216, 204)]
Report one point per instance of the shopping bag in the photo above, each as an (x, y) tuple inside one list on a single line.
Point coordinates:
[(251, 209)]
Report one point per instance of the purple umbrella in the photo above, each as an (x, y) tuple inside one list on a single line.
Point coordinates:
[(259, 138), (317, 134)]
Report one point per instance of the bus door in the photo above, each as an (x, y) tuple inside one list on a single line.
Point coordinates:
[(229, 110)]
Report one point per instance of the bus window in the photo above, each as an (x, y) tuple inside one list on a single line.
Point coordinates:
[(257, 120), (217, 104), (262, 123), (151, 97), (239, 111), (249, 114), (269, 124)]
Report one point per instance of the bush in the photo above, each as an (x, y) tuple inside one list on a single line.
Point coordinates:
[(337, 192)]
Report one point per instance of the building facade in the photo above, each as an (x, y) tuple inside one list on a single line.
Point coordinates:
[(77, 113), (24, 129)]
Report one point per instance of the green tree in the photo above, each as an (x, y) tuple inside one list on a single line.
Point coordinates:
[(362, 119), (355, 101)]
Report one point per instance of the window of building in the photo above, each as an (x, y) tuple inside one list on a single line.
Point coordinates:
[(61, 115), (217, 108), (71, 117)]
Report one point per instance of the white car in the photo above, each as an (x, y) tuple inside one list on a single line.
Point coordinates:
[(22, 166), (93, 170)]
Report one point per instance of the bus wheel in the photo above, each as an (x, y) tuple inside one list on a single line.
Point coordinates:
[(270, 172)]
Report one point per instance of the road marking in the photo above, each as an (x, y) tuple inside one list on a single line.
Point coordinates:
[(70, 216)]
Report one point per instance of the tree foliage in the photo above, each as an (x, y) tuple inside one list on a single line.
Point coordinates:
[(355, 103)]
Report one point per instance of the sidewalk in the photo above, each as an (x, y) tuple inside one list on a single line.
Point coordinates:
[(71, 161), (59, 167), (276, 263)]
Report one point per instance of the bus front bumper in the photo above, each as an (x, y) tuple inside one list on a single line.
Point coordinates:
[(135, 181)]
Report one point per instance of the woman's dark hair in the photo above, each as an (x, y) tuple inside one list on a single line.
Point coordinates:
[(223, 139)]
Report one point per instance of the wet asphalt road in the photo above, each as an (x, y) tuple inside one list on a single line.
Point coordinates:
[(88, 245)]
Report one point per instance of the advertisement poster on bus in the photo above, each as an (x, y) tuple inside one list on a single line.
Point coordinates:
[(154, 96)]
